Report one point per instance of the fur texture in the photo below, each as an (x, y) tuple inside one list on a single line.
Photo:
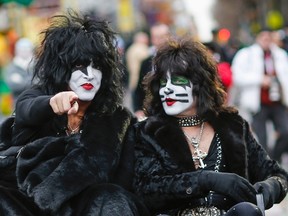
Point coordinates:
[(164, 170), (50, 169), (55, 171), (80, 174)]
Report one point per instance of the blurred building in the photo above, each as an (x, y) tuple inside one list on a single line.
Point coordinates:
[(27, 18), (245, 17)]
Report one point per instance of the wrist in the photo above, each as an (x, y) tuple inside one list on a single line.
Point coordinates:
[(282, 182)]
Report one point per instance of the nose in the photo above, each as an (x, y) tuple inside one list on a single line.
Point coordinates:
[(168, 91), (89, 75)]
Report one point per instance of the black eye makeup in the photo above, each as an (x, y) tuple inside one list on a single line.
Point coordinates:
[(96, 65), (78, 67)]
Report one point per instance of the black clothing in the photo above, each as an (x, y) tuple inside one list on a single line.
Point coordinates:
[(165, 175), (139, 94), (80, 174), (278, 115)]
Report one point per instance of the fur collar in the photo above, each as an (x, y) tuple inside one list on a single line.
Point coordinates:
[(108, 130), (229, 127)]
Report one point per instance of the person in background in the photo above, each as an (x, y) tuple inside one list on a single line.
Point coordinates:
[(18, 74), (260, 77), (136, 53), (68, 130), (158, 34), (224, 68), (194, 154)]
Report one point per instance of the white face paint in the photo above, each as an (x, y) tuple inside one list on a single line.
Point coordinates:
[(176, 95), (85, 82)]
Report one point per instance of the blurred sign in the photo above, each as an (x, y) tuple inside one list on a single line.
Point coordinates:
[(125, 16), (44, 8), (23, 2)]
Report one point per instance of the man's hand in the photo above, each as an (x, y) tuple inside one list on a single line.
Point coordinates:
[(229, 184), (64, 102), (140, 115)]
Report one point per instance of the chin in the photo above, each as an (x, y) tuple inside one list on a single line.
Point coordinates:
[(171, 113), (86, 99)]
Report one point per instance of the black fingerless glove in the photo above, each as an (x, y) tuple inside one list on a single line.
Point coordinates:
[(229, 184), (271, 190)]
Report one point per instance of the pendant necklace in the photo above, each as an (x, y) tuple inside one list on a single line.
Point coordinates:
[(198, 154), (71, 130)]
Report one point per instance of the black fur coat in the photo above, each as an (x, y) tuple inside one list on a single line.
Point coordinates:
[(58, 174), (165, 175)]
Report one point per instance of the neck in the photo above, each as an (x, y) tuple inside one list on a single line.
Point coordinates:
[(75, 119), (83, 105)]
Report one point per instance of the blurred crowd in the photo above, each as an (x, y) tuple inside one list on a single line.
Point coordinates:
[(255, 77)]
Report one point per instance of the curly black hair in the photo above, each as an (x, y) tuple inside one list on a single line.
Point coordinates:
[(187, 57), (72, 39)]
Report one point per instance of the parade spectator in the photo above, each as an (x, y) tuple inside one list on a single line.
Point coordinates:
[(18, 74), (260, 77), (136, 53), (68, 130), (224, 68), (158, 34), (194, 154)]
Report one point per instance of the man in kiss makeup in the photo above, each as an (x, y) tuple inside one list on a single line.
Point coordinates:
[(194, 154), (69, 129)]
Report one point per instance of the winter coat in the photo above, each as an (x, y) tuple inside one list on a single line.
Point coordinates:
[(165, 174), (68, 175)]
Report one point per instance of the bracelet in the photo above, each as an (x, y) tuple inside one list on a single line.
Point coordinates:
[(282, 182)]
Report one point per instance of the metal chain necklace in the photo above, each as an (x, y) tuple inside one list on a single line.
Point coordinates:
[(71, 130), (198, 154)]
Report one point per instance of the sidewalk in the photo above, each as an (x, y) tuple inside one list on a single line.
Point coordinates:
[(280, 209)]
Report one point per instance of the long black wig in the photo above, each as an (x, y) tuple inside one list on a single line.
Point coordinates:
[(73, 39), (187, 57)]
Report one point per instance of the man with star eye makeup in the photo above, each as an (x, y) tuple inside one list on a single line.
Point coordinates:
[(63, 153), (85, 81), (194, 155)]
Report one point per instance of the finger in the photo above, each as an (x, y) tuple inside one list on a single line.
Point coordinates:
[(248, 193), (73, 98), (74, 108), (66, 104), (66, 100), (54, 106), (61, 105)]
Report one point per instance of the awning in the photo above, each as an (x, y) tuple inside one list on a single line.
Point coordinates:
[(22, 2)]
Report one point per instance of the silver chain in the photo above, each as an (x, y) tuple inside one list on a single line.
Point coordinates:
[(198, 155)]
